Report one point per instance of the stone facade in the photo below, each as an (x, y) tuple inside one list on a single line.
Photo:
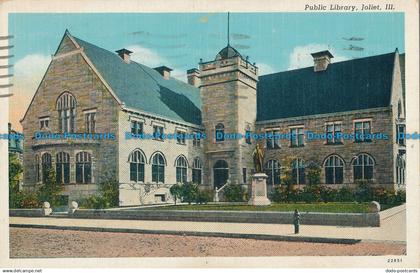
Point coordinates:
[(70, 72)]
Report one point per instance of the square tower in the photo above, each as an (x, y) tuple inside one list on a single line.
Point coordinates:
[(228, 91)]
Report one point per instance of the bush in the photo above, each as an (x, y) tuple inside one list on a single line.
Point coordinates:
[(310, 194), (400, 197), (176, 192), (50, 190), (345, 194), (204, 196), (189, 192), (328, 194), (363, 191), (108, 196), (15, 169), (95, 202), (234, 193)]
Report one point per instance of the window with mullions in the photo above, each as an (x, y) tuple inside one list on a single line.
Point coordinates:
[(298, 171), (90, 122), (197, 170), (158, 132), (272, 169), (46, 165), (361, 130), (180, 137), (297, 137), (334, 170), (333, 131), (66, 107), (137, 166), (220, 132), (83, 168), (363, 167), (136, 127), (272, 141), (62, 168), (158, 168), (181, 169)]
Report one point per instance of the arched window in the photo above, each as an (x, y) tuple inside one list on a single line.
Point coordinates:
[(220, 132), (158, 168), (196, 170), (137, 166), (181, 169), (363, 167), (248, 134), (83, 168), (66, 107), (298, 171), (37, 172), (400, 170), (46, 165), (272, 169), (334, 170), (399, 109), (62, 168)]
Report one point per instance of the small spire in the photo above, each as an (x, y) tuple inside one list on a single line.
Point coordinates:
[(228, 23)]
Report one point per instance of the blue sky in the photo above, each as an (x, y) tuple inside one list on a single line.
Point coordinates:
[(275, 41)]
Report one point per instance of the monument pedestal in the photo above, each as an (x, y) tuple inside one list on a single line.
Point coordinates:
[(259, 190)]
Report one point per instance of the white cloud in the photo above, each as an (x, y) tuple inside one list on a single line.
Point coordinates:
[(152, 59), (301, 55), (28, 73), (264, 69)]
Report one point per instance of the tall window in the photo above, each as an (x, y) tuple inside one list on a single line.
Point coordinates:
[(136, 127), (90, 122), (196, 171), (248, 134), (158, 168), (37, 172), (158, 132), (400, 170), (220, 132), (181, 169), (400, 134), (46, 165), (180, 137), (83, 168), (44, 123), (334, 169), (66, 107), (363, 167), (272, 169), (298, 171), (362, 129), (297, 137), (273, 141), (137, 166), (197, 139), (62, 168), (333, 131)]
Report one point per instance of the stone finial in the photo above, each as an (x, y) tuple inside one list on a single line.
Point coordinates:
[(46, 209), (46, 205), (374, 207)]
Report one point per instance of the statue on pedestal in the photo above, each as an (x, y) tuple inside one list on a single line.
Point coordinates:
[(258, 157)]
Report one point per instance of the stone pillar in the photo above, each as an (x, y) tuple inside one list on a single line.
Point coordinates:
[(259, 190)]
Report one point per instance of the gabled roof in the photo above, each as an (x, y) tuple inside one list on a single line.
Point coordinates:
[(143, 88), (344, 86)]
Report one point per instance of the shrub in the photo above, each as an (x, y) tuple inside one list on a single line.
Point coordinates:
[(345, 194), (15, 169), (176, 192), (328, 194), (400, 197), (28, 199), (279, 194), (204, 196), (363, 191), (95, 202), (189, 192), (50, 190), (313, 174), (234, 193), (310, 194), (108, 195)]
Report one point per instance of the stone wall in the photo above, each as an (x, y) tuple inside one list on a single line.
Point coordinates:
[(69, 72)]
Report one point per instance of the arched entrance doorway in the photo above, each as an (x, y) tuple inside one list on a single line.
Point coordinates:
[(220, 173)]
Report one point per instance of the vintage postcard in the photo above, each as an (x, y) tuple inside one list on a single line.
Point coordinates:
[(209, 134)]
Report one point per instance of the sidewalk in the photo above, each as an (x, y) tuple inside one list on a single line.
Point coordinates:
[(392, 230)]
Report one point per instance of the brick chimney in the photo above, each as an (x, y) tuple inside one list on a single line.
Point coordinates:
[(193, 76), (164, 71), (321, 60), (124, 54)]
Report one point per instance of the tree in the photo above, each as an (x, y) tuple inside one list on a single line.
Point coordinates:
[(50, 190), (15, 170), (109, 189), (176, 192)]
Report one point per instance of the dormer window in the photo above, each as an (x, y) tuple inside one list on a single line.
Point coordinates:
[(66, 107)]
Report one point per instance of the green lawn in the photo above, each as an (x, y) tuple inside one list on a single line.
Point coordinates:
[(302, 207)]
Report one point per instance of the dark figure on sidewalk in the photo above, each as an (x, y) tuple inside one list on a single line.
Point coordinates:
[(296, 221)]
